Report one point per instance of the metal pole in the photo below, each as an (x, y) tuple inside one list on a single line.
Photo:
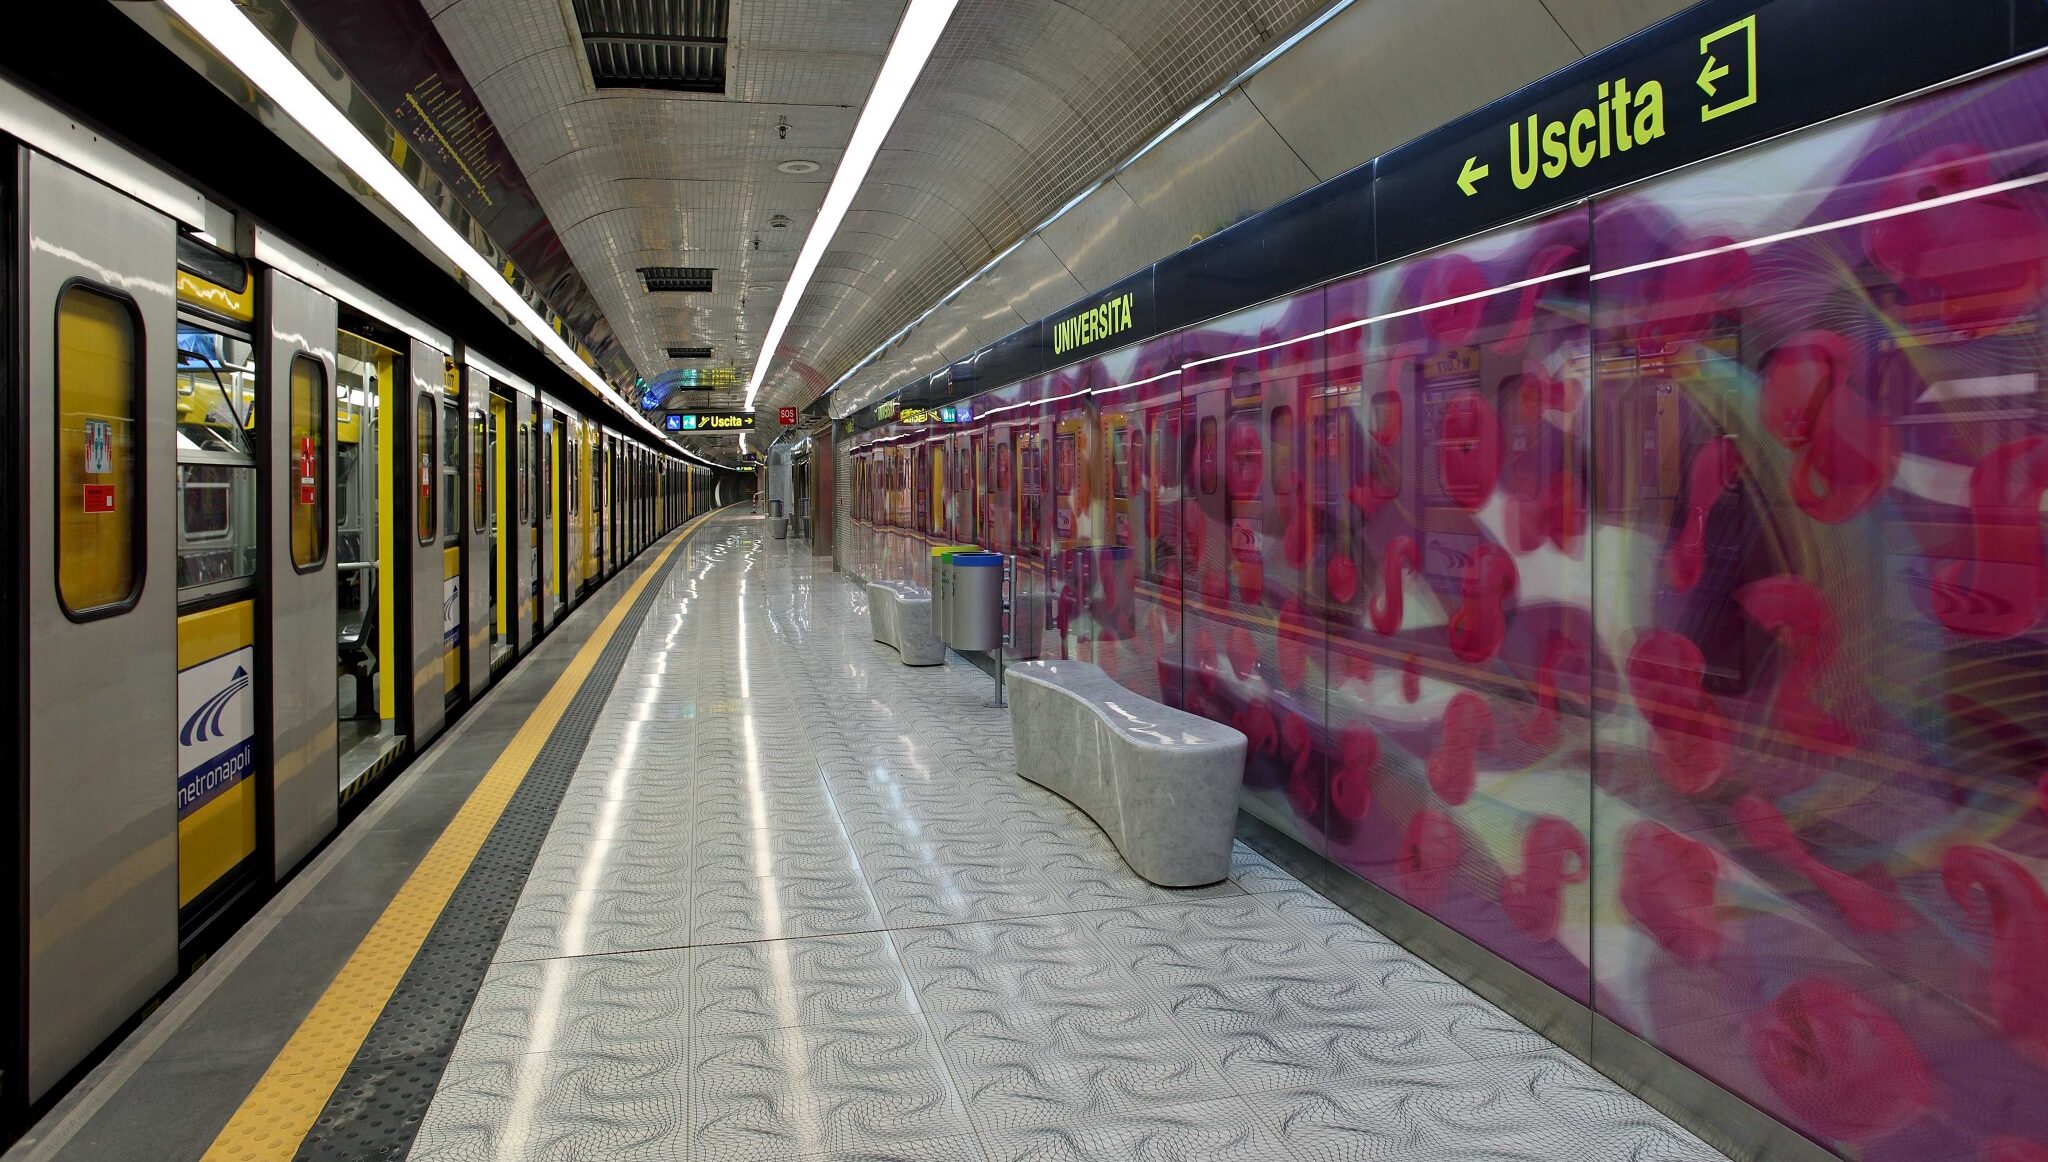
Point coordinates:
[(1003, 639)]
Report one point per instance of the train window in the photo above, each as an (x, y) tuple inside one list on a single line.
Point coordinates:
[(306, 404), (451, 471), (216, 391), (99, 381), (424, 414), (520, 454), (204, 514), (547, 482), (1206, 456), (477, 458)]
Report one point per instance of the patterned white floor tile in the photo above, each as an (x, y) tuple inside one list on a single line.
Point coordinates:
[(818, 917)]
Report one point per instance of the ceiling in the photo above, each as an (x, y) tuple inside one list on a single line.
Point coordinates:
[(1024, 104)]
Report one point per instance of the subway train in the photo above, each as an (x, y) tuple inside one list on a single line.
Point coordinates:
[(1650, 591), (272, 534)]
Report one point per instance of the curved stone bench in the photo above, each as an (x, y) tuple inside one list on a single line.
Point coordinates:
[(1161, 783), (900, 615)]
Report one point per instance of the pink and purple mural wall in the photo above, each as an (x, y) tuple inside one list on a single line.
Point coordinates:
[(1654, 593)]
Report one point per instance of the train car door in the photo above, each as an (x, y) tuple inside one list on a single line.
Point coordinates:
[(504, 506), (549, 536), (98, 324), (101, 687), (526, 413), (576, 487), (299, 606), (478, 567), (454, 434), (599, 558), (420, 514), (559, 528), (371, 674)]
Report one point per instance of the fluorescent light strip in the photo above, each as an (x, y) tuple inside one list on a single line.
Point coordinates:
[(922, 23), (1850, 222), (1157, 140), (1403, 313), (231, 34)]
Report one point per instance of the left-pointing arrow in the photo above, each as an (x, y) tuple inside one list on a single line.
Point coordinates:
[(1468, 178), (1710, 73)]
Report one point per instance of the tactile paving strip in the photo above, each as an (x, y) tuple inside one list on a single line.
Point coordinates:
[(376, 1109)]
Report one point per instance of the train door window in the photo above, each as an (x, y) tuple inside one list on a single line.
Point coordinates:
[(424, 446), (547, 483), (477, 461), (308, 399), (99, 384), (451, 472), (1205, 453), (216, 394), (1121, 465), (525, 501)]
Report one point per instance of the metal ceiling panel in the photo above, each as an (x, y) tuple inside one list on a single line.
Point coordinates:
[(1595, 24), (1399, 68), (1024, 105), (1223, 167)]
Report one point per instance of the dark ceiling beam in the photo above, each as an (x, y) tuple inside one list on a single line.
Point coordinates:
[(632, 38)]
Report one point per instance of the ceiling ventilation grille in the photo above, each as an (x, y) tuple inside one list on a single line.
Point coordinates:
[(696, 279), (677, 45), (689, 352)]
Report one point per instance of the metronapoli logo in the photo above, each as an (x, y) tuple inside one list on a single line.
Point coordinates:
[(205, 722), (217, 743)]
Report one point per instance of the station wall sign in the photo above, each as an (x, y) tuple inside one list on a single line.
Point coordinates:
[(1104, 321), (1717, 76), (708, 422)]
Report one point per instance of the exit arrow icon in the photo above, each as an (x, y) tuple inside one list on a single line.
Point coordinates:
[(1468, 178), (1711, 72)]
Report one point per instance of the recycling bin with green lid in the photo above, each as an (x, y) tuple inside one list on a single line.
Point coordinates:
[(942, 583)]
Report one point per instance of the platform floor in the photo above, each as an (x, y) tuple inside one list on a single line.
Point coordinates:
[(795, 904)]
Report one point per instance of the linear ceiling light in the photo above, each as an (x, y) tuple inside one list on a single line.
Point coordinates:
[(231, 34), (1157, 139), (922, 23)]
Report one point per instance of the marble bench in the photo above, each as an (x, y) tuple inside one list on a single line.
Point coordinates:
[(1160, 782), (900, 615)]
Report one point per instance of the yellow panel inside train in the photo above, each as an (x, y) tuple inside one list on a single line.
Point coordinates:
[(217, 562)]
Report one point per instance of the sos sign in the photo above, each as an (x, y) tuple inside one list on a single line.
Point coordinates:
[(785, 416)]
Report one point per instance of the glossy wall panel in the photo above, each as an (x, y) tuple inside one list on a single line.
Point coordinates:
[(1458, 724), (1820, 863), (1653, 594)]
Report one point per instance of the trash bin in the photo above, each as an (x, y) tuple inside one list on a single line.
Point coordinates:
[(975, 609), (778, 526), (942, 584)]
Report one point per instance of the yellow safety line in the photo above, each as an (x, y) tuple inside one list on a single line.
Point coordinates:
[(274, 1119)]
